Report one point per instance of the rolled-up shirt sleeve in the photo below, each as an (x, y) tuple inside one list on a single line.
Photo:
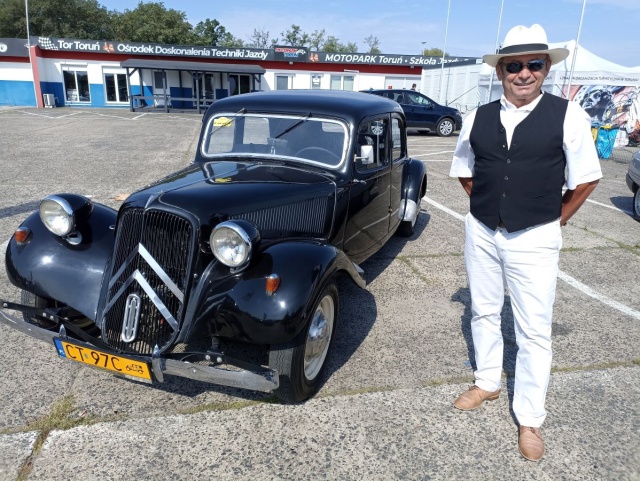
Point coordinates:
[(463, 156), (583, 164)]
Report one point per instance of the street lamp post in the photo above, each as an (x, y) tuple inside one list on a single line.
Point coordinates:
[(423, 47)]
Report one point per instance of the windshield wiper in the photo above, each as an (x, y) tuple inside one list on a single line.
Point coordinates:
[(294, 125)]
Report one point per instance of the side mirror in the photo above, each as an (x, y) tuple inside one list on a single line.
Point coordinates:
[(366, 154)]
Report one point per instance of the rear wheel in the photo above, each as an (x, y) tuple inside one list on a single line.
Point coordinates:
[(636, 204), (301, 362), (445, 127)]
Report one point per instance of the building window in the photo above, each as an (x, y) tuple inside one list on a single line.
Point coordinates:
[(76, 85), (342, 82), (283, 82), (115, 85), (316, 80), (239, 84)]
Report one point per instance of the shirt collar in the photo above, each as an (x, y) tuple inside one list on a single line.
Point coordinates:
[(508, 106)]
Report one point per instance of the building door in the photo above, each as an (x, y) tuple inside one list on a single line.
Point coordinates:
[(159, 88), (239, 84)]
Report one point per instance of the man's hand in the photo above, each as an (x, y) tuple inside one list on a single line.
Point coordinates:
[(573, 199), (467, 183)]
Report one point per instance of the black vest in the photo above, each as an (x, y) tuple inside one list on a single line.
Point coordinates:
[(520, 186)]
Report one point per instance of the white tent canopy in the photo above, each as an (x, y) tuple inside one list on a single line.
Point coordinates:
[(589, 69)]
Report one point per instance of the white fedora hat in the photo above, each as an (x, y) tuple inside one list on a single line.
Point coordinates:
[(523, 40)]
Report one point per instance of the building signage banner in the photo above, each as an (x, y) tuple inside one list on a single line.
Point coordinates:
[(108, 47), (13, 47), (290, 54), (390, 59), (277, 53)]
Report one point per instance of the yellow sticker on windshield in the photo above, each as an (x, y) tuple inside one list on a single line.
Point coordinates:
[(222, 180), (221, 122)]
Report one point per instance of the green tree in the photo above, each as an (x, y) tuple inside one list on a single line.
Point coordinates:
[(316, 39), (209, 32), (295, 37), (432, 52), (152, 22), (373, 43), (260, 39), (333, 44), (85, 19)]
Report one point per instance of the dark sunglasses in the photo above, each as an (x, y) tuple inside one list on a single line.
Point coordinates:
[(532, 66)]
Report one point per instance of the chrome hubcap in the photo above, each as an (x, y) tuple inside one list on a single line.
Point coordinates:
[(318, 338), (446, 128)]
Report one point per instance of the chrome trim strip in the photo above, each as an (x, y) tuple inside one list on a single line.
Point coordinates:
[(131, 318), (164, 277), (137, 276), (156, 300)]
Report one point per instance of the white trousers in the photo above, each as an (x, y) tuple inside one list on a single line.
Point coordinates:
[(527, 261)]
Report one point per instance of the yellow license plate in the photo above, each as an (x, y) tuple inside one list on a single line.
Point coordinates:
[(103, 360)]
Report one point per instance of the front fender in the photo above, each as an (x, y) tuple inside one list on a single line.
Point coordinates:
[(414, 187), (239, 308), (51, 267)]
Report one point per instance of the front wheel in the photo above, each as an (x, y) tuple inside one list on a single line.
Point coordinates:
[(445, 127), (301, 362), (636, 204)]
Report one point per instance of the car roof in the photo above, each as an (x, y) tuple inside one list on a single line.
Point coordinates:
[(352, 106)]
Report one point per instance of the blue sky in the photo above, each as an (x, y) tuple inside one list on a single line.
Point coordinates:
[(610, 28)]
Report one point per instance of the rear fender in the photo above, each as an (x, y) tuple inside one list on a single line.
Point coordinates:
[(238, 307), (414, 187), (51, 267)]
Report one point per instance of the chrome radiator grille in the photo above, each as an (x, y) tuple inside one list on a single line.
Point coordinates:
[(304, 218), (146, 292)]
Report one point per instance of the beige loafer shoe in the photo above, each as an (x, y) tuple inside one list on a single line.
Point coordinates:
[(530, 443), (474, 397)]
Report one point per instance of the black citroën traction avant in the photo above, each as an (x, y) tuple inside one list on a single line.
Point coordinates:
[(287, 191)]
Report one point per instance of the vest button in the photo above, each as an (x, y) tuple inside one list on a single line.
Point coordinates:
[(504, 194), (504, 146), (508, 161), (506, 177)]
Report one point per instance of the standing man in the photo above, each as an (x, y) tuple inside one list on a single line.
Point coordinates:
[(511, 159)]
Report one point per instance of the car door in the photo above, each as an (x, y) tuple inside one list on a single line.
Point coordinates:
[(420, 111), (398, 159), (370, 191)]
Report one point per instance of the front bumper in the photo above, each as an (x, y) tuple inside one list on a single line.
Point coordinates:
[(212, 367)]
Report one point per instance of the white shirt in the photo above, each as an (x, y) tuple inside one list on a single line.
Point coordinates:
[(583, 164)]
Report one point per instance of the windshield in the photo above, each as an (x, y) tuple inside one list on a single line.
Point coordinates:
[(304, 138)]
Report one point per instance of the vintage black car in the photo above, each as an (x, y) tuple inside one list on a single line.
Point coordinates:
[(288, 190)]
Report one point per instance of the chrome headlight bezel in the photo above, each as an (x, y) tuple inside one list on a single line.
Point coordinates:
[(234, 238), (60, 218)]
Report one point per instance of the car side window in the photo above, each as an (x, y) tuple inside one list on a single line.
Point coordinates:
[(418, 99), (398, 148), (399, 98), (371, 152)]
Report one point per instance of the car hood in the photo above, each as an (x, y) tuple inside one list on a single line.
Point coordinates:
[(280, 199)]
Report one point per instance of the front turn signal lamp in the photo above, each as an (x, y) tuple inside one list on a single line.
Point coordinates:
[(22, 235), (272, 284)]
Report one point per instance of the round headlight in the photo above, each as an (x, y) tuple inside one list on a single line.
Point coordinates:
[(231, 244), (57, 215)]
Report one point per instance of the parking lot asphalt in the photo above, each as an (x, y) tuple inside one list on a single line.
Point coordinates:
[(403, 348)]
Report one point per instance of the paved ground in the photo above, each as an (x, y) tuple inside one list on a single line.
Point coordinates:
[(402, 353)]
